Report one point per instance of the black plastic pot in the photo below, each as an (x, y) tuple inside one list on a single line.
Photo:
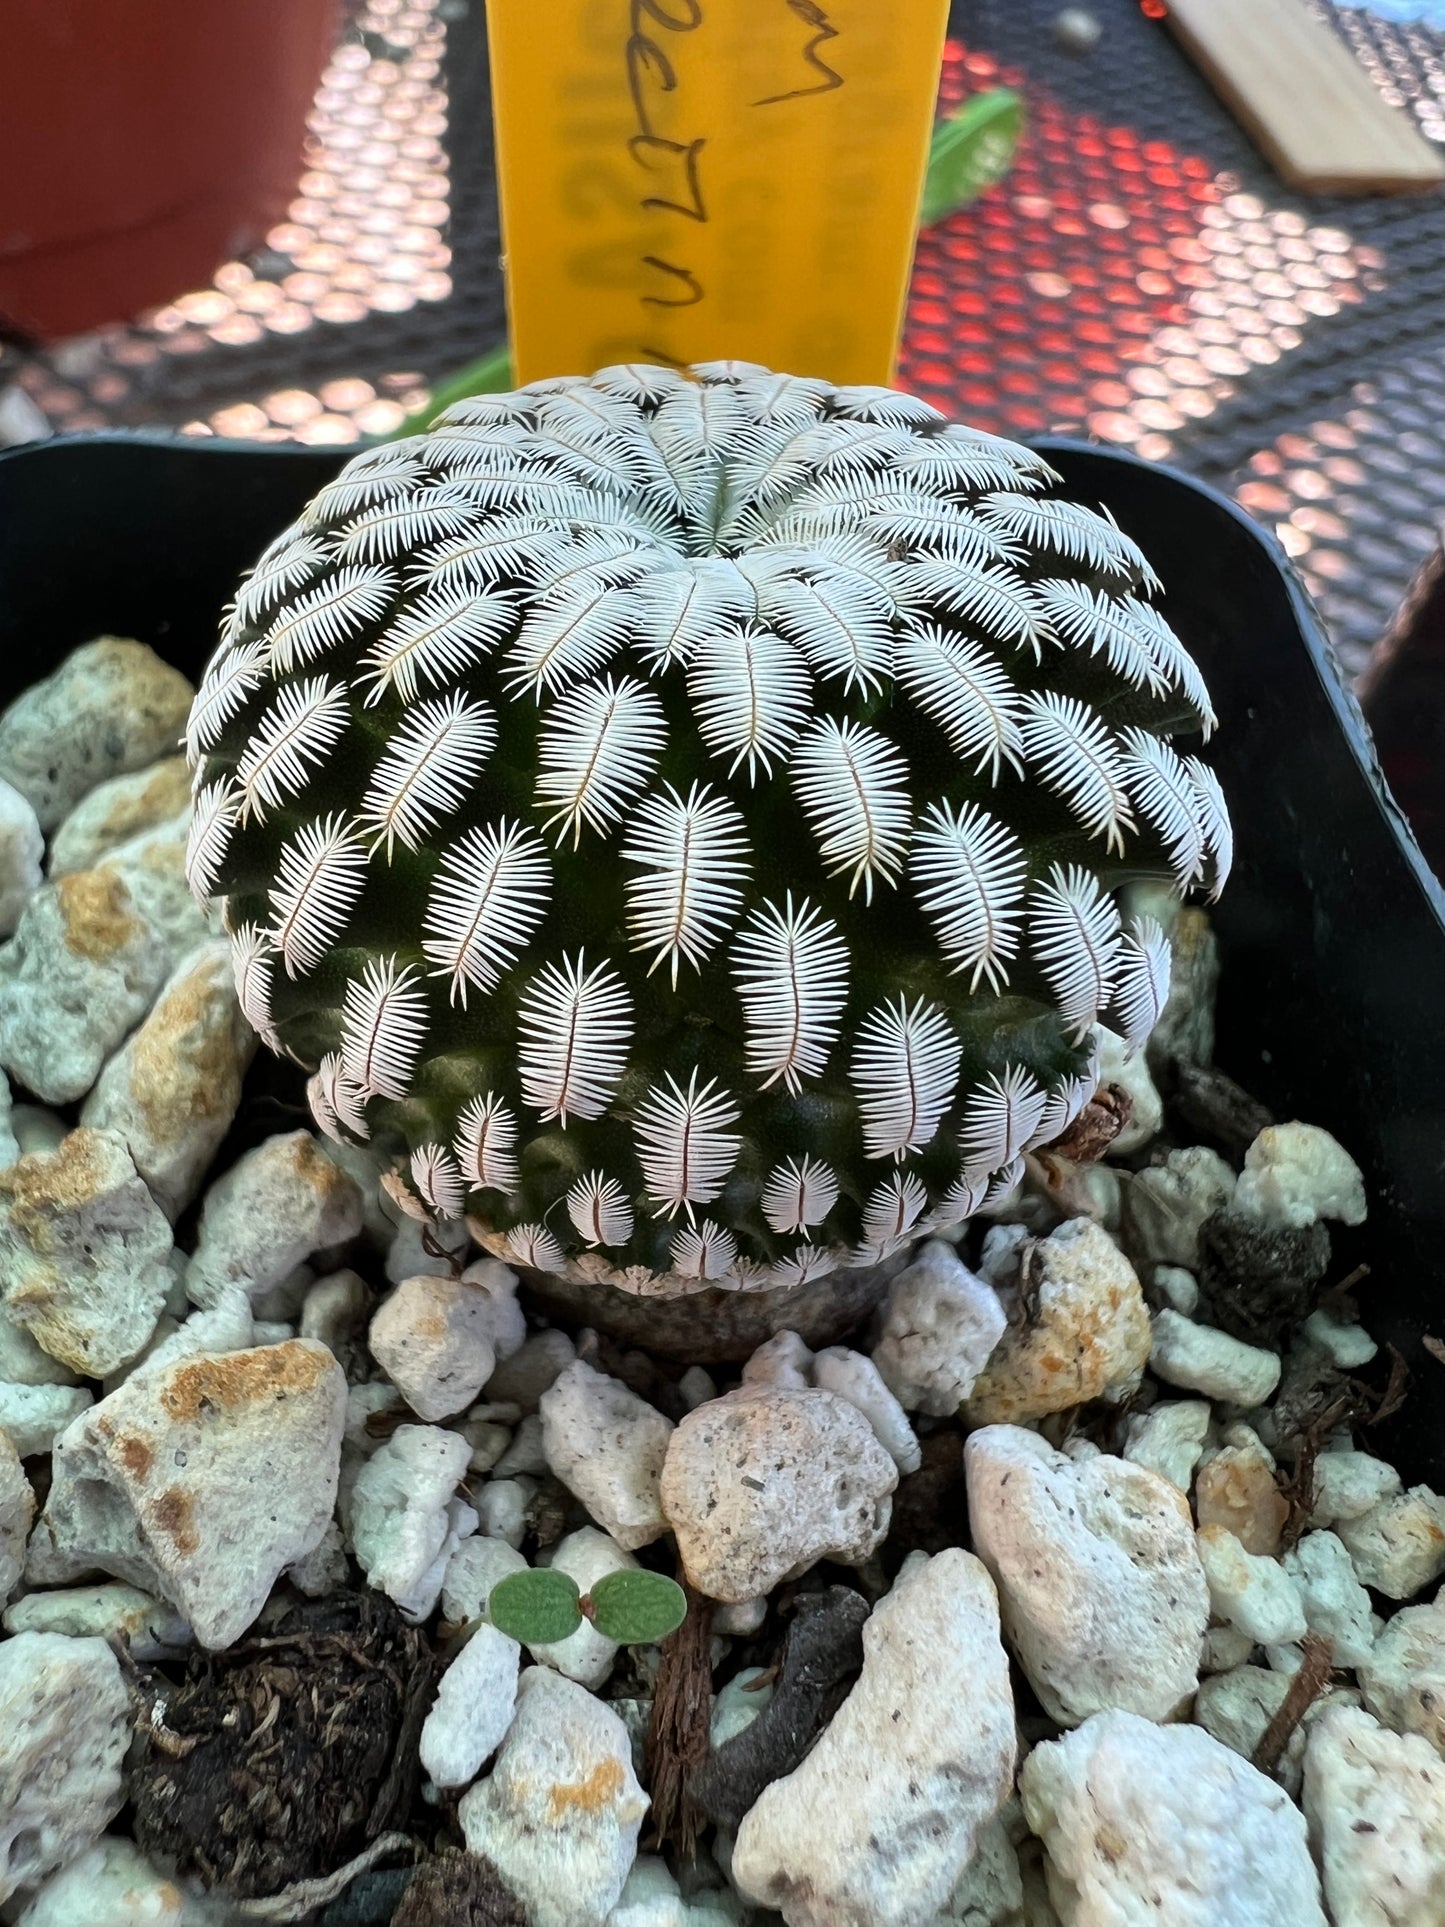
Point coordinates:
[(1332, 929)]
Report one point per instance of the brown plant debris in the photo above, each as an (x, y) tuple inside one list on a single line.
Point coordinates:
[(677, 1731), (1304, 1689), (456, 1889), (1261, 1283), (1217, 1109), (1434, 1346), (275, 1761), (1095, 1128), (821, 1658)]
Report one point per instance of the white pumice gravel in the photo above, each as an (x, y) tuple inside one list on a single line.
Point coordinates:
[(1250, 1592), (84, 1252), (854, 1376), (1398, 1546), (405, 1518), (560, 1812), (1085, 1335), (877, 1824), (473, 1569), (22, 846), (1348, 1484), (1404, 1677), (1166, 1203), (1145, 1823), (17, 1512), (782, 1360), (112, 1884), (1296, 1174), (607, 1446), (1169, 1438), (34, 1416), (431, 1336), (1103, 1597), (941, 1324), (1336, 1605), (117, 810), (472, 1710), (1126, 1067), (65, 1721), (532, 1369), (271, 1210), (151, 1628), (1201, 1358), (760, 1485), (1375, 1802)]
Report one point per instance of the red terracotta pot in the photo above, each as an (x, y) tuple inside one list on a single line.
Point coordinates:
[(145, 142)]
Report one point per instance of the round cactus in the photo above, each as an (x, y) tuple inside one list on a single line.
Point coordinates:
[(690, 815)]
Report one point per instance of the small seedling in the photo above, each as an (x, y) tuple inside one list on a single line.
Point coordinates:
[(632, 1608)]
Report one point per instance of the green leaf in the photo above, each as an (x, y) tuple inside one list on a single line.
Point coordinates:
[(970, 150), (637, 1608), (535, 1608), (491, 375)]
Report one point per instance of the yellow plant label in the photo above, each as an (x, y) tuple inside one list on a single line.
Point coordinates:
[(700, 180)]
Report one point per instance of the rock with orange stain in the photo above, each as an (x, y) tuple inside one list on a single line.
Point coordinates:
[(84, 1252), (200, 1480), (271, 1210), (1078, 1329), (1237, 1489), (559, 1814), (1103, 1595), (117, 810), (173, 1088)]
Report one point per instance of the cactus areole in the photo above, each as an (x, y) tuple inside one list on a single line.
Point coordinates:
[(689, 813)]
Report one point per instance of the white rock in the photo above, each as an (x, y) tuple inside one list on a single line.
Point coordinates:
[(739, 1704), (9, 1146), (113, 1885), (1224, 1649), (1200, 1358), (272, 1209), (112, 706), (17, 1512), (22, 1362), (532, 1369), (1161, 1824), (1348, 1346), (1103, 1598), (201, 1480), (79, 973), (152, 867), (502, 1509), (650, 1897), (473, 1569), (22, 846), (526, 1452), (401, 1518), (607, 1446), (1125, 1065), (1375, 1802), (1165, 1205), (173, 1088), (1078, 1329), (783, 1360), (1398, 1546), (1002, 1253), (560, 1812), (1348, 1484), (431, 1338), (1250, 1592), (118, 810), (760, 1485), (335, 1308), (855, 1377), (696, 1387), (1404, 1677), (37, 1128), (1169, 1438), (990, 1890), (739, 1618), (883, 1816), (940, 1326), (1295, 1174), (407, 1256), (64, 1726), (84, 1252), (225, 1326), (586, 1655), (1172, 1288), (323, 1570), (472, 1710), (1336, 1604), (487, 1439), (33, 1416), (150, 1628), (498, 1284)]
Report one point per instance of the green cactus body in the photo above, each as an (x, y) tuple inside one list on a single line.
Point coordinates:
[(690, 814)]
